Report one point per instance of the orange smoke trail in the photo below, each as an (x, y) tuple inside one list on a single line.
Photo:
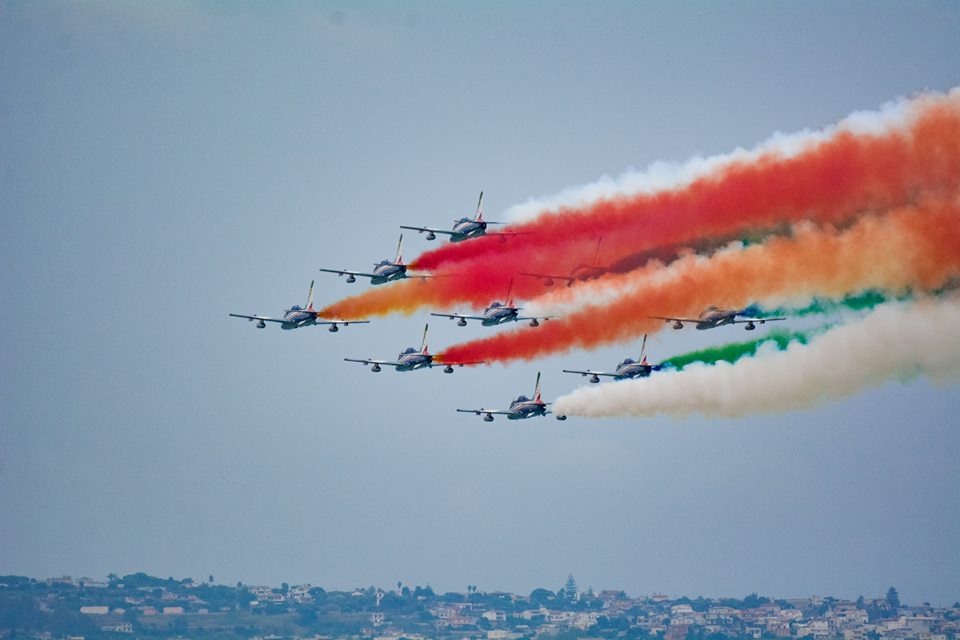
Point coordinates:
[(832, 181), (915, 247)]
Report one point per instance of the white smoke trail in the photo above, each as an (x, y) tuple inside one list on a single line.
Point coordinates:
[(660, 175), (895, 341)]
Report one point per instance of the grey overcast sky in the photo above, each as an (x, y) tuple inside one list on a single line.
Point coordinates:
[(163, 164)]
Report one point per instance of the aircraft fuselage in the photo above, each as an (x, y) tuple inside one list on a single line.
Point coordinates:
[(413, 361), (633, 370), (716, 318), (296, 318), (498, 315), (520, 410), (388, 272), (464, 229)]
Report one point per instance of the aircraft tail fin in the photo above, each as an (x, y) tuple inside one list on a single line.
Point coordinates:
[(596, 253), (423, 343), (509, 291), (309, 306), (643, 349), (399, 259), (536, 389), (479, 216)]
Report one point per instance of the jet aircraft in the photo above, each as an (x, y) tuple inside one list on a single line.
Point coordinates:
[(383, 271), (713, 317), (296, 317), (582, 272), (463, 229), (626, 370), (411, 359), (497, 313), (520, 409)]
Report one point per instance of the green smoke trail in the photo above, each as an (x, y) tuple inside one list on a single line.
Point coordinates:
[(735, 350), (863, 301)]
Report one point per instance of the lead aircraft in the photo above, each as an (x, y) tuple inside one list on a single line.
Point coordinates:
[(383, 271), (626, 370), (463, 229), (297, 317), (411, 359), (520, 409), (713, 317)]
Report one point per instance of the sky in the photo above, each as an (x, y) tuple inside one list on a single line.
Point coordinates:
[(165, 164)]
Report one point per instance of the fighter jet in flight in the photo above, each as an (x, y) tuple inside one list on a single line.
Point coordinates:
[(411, 359), (383, 271), (297, 317), (463, 229), (580, 273), (713, 317), (626, 370), (497, 313), (520, 409)]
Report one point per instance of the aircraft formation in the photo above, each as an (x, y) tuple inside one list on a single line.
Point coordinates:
[(496, 313)]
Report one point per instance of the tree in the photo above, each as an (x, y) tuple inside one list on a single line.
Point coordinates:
[(893, 598), (861, 603)]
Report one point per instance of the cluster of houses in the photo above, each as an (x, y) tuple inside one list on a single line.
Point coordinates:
[(376, 614)]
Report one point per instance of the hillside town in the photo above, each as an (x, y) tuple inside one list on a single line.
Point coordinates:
[(143, 606)]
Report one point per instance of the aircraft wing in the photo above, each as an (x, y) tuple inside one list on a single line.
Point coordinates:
[(263, 318), (756, 320), (458, 316), (591, 373), (675, 319), (509, 233), (447, 363), (343, 322), (377, 362), (428, 230), (346, 272), (535, 317), (549, 279), (495, 412)]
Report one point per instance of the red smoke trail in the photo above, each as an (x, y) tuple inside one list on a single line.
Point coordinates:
[(833, 181), (912, 247), (844, 174)]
